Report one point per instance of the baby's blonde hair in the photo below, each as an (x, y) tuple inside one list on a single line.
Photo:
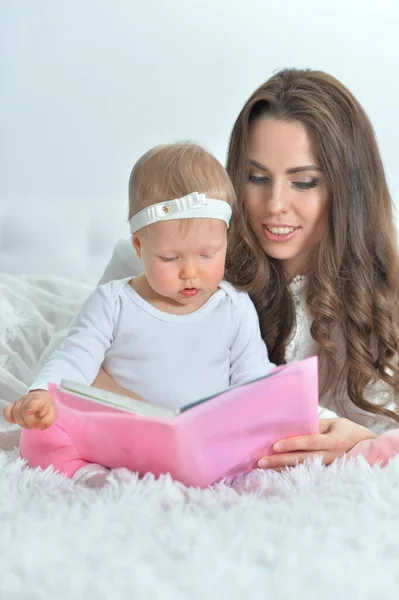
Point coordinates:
[(175, 170)]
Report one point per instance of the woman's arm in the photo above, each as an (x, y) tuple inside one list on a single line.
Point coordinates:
[(378, 450), (336, 437)]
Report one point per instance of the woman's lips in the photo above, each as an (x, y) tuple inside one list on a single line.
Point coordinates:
[(280, 233)]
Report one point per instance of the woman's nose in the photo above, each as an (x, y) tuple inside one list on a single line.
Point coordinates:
[(278, 199)]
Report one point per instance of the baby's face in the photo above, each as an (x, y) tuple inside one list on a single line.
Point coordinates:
[(184, 260)]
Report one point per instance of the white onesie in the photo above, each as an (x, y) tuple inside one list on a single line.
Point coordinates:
[(167, 359)]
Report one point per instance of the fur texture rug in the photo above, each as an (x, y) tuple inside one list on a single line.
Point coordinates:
[(311, 532)]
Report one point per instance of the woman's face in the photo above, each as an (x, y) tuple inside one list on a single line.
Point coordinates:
[(286, 193)]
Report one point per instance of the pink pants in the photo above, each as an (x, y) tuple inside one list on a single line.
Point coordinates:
[(53, 447)]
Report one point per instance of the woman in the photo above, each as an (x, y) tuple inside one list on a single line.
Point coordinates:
[(316, 247)]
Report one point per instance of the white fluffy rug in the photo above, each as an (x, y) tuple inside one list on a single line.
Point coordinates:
[(309, 534), (312, 533)]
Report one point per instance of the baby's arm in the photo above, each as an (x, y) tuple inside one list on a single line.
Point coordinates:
[(35, 410), (248, 354), (77, 358)]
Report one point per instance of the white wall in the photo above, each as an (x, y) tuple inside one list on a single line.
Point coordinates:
[(87, 86)]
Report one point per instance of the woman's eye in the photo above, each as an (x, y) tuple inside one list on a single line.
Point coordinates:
[(257, 180), (306, 185), (167, 259)]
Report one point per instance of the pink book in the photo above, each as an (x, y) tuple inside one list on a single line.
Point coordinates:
[(204, 442)]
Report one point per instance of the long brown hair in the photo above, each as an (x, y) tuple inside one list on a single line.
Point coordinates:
[(354, 285)]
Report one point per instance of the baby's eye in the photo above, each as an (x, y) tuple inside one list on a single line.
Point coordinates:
[(168, 259), (207, 255), (257, 179)]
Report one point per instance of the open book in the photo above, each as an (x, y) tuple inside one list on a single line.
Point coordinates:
[(138, 407), (202, 442)]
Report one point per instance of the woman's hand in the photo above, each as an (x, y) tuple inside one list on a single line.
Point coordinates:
[(336, 437)]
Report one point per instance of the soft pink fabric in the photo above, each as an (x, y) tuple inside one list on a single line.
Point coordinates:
[(379, 449), (51, 447), (227, 435)]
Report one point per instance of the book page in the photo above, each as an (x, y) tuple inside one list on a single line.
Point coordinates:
[(238, 385), (117, 401)]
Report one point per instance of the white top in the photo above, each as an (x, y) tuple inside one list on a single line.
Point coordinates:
[(167, 359), (302, 345)]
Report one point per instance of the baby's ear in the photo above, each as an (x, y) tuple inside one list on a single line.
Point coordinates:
[(136, 244)]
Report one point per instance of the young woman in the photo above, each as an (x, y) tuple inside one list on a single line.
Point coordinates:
[(315, 246)]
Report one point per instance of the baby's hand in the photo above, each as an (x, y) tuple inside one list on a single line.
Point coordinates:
[(35, 410)]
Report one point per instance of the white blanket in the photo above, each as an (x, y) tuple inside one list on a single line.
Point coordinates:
[(311, 532), (34, 314), (32, 309)]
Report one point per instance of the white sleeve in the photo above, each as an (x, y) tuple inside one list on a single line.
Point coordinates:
[(248, 353), (80, 355), (325, 413)]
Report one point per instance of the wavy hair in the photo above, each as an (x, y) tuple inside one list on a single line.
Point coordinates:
[(354, 282)]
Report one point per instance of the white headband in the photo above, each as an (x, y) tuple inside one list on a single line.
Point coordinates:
[(192, 206)]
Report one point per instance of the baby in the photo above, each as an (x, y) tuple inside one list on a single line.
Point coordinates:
[(173, 334)]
